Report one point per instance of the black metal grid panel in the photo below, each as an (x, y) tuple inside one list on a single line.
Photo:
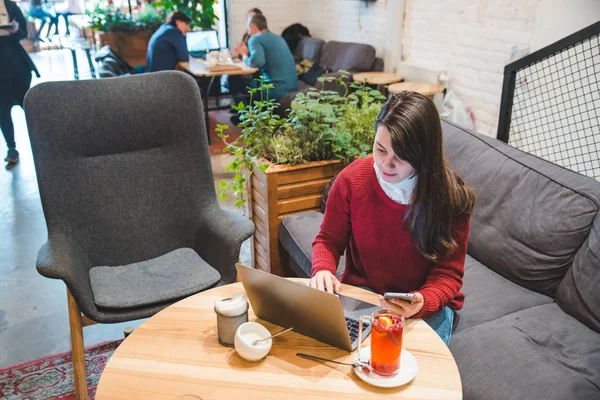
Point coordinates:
[(554, 112)]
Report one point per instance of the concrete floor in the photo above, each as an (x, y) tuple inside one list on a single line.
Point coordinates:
[(33, 309)]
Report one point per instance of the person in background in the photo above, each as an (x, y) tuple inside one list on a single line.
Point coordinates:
[(15, 71), (238, 84), (167, 46), (402, 216), (68, 8), (37, 11), (251, 13), (271, 54)]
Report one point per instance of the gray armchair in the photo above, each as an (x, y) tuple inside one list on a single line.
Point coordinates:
[(127, 189)]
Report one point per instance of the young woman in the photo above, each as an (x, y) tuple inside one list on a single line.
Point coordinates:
[(15, 71), (402, 216)]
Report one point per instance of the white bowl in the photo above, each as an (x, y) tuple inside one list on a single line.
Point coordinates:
[(247, 334)]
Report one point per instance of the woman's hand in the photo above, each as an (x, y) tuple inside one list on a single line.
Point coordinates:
[(16, 27), (402, 307), (325, 280)]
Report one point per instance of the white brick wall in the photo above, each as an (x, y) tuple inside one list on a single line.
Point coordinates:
[(348, 21), (344, 20), (279, 14), (472, 40)]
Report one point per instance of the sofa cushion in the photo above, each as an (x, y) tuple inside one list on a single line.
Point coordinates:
[(489, 296), (309, 48), (174, 275), (296, 234), (538, 353), (530, 217), (353, 57)]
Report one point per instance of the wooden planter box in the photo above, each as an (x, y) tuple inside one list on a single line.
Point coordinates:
[(283, 190), (131, 46)]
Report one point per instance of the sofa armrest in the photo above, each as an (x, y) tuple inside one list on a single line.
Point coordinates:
[(219, 238)]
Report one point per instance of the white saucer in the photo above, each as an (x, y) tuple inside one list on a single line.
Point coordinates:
[(408, 371)]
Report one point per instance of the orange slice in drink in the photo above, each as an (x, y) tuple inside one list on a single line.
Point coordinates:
[(386, 321)]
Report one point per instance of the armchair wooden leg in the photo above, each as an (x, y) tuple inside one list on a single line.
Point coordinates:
[(77, 349)]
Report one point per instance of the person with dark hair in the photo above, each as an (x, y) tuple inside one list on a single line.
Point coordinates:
[(402, 216), (167, 46), (293, 34), (269, 52), (15, 71)]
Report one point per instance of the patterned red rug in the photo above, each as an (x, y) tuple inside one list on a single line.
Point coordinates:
[(52, 377)]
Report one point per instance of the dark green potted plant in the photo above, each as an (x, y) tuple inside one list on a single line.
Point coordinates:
[(202, 12), (284, 164), (126, 35)]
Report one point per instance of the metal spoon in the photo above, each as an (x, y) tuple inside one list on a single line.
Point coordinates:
[(272, 336), (359, 364)]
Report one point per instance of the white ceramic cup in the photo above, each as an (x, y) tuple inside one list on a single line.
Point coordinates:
[(246, 335)]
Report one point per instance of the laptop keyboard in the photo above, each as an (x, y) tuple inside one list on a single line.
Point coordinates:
[(352, 326)]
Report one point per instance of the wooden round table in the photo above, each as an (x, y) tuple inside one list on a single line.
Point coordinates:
[(176, 352), (377, 78), (425, 88)]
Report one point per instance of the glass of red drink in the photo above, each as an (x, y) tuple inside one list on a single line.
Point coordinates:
[(387, 329)]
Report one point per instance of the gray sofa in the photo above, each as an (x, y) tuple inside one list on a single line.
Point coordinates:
[(530, 325), (333, 56)]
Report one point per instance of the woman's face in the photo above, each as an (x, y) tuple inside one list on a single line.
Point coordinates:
[(393, 169)]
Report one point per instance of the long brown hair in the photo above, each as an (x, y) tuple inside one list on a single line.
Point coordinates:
[(440, 196)]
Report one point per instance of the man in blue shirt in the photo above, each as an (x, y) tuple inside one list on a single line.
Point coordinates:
[(167, 46), (271, 54)]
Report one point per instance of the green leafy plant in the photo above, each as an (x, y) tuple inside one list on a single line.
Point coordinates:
[(106, 17), (201, 12), (321, 125)]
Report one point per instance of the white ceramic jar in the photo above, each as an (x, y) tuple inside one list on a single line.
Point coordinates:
[(246, 335)]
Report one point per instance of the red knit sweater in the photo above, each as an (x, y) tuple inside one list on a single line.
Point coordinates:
[(361, 219)]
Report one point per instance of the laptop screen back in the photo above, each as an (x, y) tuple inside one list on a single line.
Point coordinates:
[(202, 41)]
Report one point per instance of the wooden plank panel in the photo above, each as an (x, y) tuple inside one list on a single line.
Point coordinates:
[(258, 197), (302, 188), (260, 176), (261, 199), (327, 171), (260, 250), (258, 185), (261, 263), (299, 203), (262, 239), (258, 212), (273, 223), (279, 168), (296, 212), (275, 261), (261, 228)]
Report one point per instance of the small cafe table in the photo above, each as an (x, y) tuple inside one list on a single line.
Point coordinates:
[(198, 68), (380, 79), (176, 352), (427, 89)]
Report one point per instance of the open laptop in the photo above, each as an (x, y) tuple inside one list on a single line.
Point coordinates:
[(199, 43), (314, 313)]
